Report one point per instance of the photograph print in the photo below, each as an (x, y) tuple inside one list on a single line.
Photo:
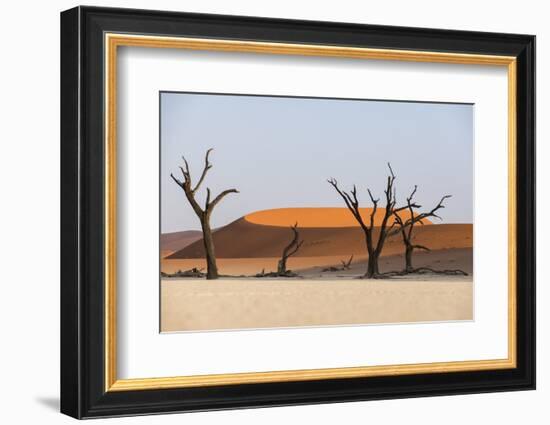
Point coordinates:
[(281, 212)]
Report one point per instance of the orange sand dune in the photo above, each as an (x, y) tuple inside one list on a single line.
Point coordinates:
[(317, 217), (242, 239)]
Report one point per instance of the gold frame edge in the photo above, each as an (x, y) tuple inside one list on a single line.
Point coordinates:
[(112, 41)]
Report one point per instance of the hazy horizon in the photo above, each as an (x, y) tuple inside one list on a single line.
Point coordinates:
[(279, 152)]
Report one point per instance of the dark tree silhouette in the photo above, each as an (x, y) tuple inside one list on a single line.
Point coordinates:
[(203, 213), (407, 226), (374, 247), (291, 249), (346, 264)]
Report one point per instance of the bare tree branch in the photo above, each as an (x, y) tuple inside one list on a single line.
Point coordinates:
[(346, 265), (207, 202), (296, 248), (391, 171), (220, 197), (421, 247), (351, 203), (178, 182), (207, 166), (186, 173)]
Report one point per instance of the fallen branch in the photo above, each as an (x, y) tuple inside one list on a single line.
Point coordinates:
[(421, 270), (287, 273), (332, 269), (194, 272)]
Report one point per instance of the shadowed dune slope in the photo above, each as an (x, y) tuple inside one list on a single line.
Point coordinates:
[(242, 239), (178, 240)]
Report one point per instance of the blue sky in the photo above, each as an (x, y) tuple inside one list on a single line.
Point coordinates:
[(279, 152)]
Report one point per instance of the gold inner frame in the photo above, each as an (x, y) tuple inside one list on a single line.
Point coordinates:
[(113, 41)]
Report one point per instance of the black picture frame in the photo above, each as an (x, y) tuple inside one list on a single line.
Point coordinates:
[(83, 392)]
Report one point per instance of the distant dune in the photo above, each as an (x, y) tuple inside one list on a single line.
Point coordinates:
[(316, 217), (244, 239), (172, 242)]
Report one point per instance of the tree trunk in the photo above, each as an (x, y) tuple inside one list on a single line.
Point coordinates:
[(281, 266), (372, 267), (211, 266), (408, 258)]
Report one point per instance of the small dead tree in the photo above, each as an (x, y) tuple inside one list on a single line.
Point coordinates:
[(203, 213), (291, 249), (374, 247), (406, 226), (346, 264)]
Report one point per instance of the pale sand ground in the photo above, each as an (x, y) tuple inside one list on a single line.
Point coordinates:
[(197, 304)]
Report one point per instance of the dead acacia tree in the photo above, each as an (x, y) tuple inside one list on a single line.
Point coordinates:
[(406, 226), (374, 247), (203, 213), (291, 249), (346, 265)]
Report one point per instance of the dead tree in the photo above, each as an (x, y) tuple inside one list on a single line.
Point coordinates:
[(346, 264), (406, 226), (374, 247), (203, 213), (291, 249)]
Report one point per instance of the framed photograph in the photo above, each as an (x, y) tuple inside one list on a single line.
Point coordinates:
[(261, 212)]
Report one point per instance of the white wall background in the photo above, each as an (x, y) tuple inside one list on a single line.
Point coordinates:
[(29, 213)]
